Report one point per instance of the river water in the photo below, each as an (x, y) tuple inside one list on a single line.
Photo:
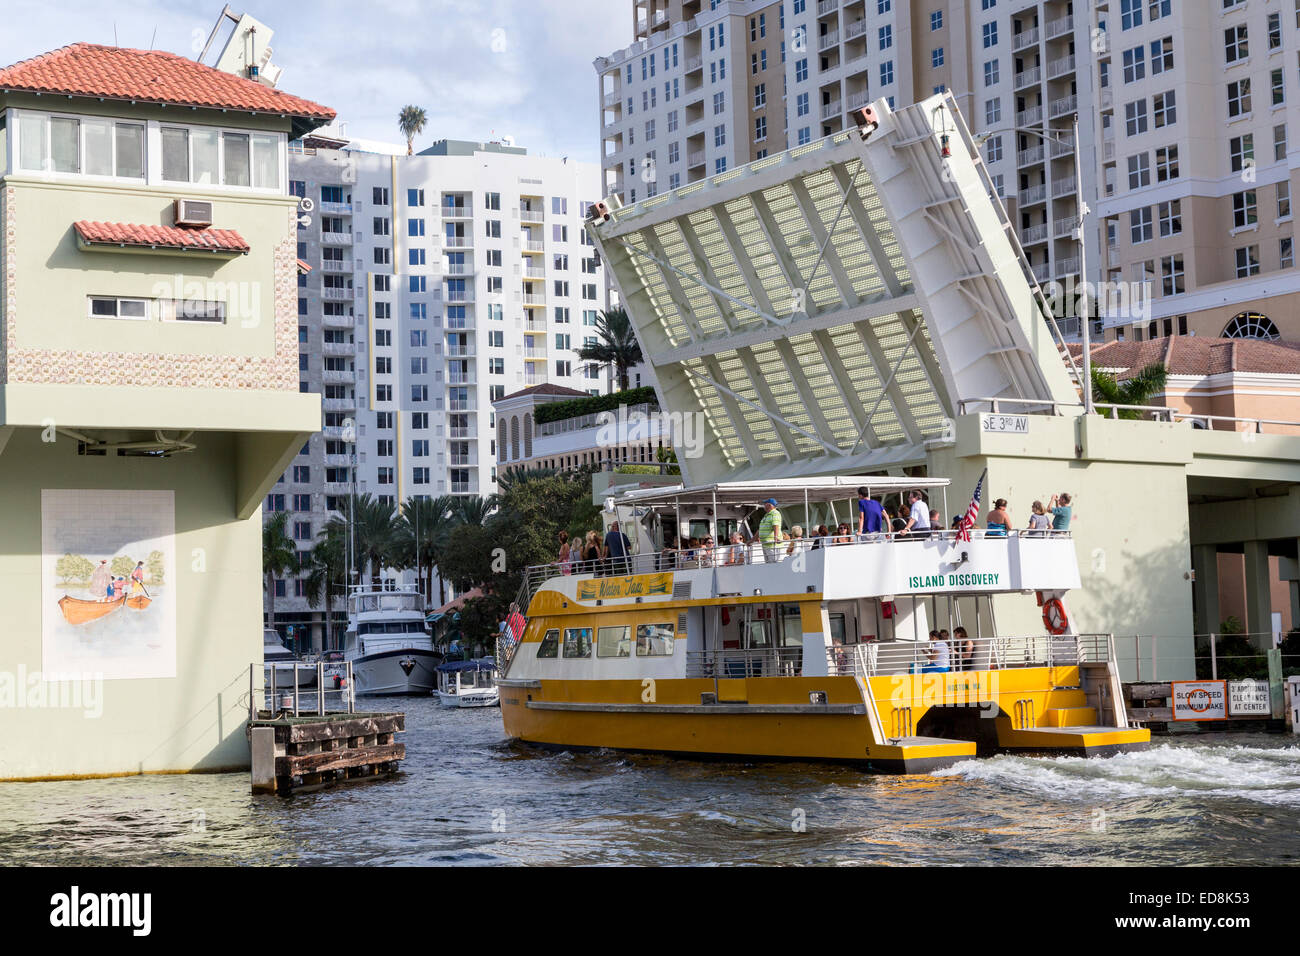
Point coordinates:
[(468, 796)]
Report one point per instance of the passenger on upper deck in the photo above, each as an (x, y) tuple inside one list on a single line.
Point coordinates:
[(871, 516), (938, 653), (999, 519), (736, 553), (919, 519), (769, 531)]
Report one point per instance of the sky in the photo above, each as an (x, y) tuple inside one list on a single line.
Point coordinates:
[(481, 69)]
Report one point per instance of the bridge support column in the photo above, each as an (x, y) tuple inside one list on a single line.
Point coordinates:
[(1205, 592), (1259, 604)]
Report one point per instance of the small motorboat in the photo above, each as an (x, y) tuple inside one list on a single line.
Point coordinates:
[(468, 683), (79, 611)]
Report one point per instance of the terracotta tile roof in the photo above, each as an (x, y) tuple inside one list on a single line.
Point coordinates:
[(171, 237), (1196, 355), (153, 76), (304, 267), (546, 388)]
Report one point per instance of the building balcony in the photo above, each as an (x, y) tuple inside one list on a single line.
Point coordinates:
[(339, 404), (338, 461), (1065, 227), (1026, 157), (461, 433), (459, 269), (611, 99), (338, 321), (831, 109), (1063, 187), (459, 295), (1060, 27), (336, 208), (336, 377), (459, 405), (460, 351), (343, 349), (1065, 267), (855, 29), (827, 40), (694, 63), (1024, 39), (334, 432), (695, 159), (338, 488), (1064, 106), (1034, 194), (1042, 272), (457, 211), (530, 299), (461, 378), (1030, 117), (1030, 77), (827, 6), (534, 272), (533, 245), (1034, 234), (335, 267), (336, 238), (458, 242), (1061, 147), (1060, 67), (531, 214), (460, 488), (332, 294), (462, 459)]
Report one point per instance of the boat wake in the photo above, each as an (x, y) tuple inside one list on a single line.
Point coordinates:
[(1268, 775)]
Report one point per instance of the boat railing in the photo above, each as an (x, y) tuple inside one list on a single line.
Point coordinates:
[(747, 662), (881, 658), (285, 694), (730, 555)]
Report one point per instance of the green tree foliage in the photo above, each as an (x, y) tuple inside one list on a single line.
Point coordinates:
[(327, 574), (616, 345), (411, 121), (279, 558), (577, 407), (155, 566), (1140, 389), (375, 533), (122, 566)]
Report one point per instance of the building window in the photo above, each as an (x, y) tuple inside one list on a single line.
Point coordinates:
[(1248, 265), (1162, 56), (991, 73), (1139, 171), (1239, 97), (990, 34), (936, 20), (1277, 89), (936, 57), (110, 307), (1130, 14), (1279, 142), (887, 73), (1286, 253), (1157, 9), (1244, 211), (885, 36), (1241, 152), (1250, 325), (1171, 217), (801, 104), (760, 129), (994, 149), (1235, 45), (801, 70), (1135, 64), (760, 96), (1284, 199), (1171, 275), (1163, 109), (992, 111), (1135, 117), (1140, 225)]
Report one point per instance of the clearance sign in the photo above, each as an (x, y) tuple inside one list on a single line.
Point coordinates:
[(1200, 699)]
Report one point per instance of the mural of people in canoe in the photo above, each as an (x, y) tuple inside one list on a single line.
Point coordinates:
[(108, 582)]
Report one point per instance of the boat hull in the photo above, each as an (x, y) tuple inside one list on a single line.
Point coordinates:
[(399, 672), (138, 603), (473, 698), (76, 611), (773, 719)]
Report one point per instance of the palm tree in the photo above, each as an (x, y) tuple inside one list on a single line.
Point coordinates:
[(411, 122), (423, 529), (374, 532), (279, 558), (327, 575), (616, 345), (474, 509), (1140, 389)]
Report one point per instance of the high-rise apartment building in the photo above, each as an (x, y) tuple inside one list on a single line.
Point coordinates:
[(700, 92), (1165, 154), (438, 283), (1196, 116), (1013, 68)]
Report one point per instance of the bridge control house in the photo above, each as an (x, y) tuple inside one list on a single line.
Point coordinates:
[(149, 399)]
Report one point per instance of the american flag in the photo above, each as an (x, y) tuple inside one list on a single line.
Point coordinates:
[(973, 512)]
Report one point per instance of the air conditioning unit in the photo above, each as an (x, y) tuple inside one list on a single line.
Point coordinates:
[(193, 213)]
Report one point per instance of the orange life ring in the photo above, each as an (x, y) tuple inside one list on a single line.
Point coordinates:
[(1054, 618)]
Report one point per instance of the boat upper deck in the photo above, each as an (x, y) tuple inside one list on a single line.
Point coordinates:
[(837, 567)]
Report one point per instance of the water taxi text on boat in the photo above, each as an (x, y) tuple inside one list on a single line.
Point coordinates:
[(822, 654)]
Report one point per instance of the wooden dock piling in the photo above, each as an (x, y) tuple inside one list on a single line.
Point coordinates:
[(290, 753)]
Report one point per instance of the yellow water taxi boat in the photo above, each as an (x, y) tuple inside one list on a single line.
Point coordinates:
[(822, 652)]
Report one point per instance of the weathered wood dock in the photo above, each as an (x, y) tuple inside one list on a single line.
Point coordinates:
[(293, 749), (290, 753)]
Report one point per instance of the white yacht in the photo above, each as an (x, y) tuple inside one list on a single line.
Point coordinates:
[(468, 683), (388, 643), (274, 653)]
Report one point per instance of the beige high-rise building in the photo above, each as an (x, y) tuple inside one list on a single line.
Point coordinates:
[(1197, 101), (1184, 112)]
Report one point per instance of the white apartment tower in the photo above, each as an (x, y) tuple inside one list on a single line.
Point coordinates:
[(438, 283)]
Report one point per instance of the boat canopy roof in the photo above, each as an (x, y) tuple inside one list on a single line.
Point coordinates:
[(817, 490), (481, 664)]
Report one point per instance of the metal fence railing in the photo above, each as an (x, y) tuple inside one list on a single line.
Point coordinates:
[(750, 662), (1154, 658), (878, 658), (291, 689)]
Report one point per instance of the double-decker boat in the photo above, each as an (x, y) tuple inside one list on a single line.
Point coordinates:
[(822, 653), (389, 643)]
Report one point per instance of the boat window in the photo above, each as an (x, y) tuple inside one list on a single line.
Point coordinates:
[(837, 628), (577, 642), (550, 646), (614, 641), (654, 640)]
